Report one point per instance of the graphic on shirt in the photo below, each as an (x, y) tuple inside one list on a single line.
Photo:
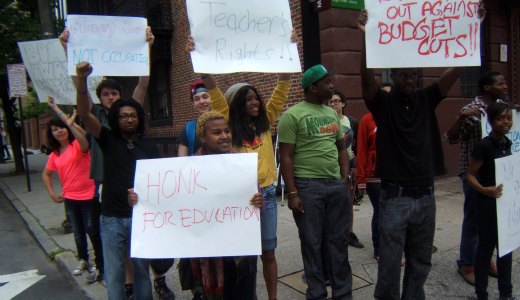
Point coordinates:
[(321, 125), (349, 135), (257, 142)]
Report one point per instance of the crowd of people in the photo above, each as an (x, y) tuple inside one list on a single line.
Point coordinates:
[(325, 157)]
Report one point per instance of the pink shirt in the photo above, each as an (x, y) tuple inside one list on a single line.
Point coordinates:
[(73, 167)]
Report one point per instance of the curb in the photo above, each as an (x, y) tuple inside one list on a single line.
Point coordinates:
[(66, 260)]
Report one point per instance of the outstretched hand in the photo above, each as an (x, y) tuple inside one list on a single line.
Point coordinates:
[(51, 103), (64, 38)]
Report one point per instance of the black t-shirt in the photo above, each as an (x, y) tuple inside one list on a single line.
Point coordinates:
[(486, 151), (119, 170), (409, 150)]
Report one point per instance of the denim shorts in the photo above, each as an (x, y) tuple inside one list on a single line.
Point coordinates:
[(268, 218)]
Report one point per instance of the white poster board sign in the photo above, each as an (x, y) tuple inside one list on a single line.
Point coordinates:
[(242, 36), (513, 135), (429, 33), (114, 46), (508, 206), (17, 80), (196, 206), (46, 64)]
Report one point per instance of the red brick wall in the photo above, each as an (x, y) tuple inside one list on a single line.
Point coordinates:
[(182, 72)]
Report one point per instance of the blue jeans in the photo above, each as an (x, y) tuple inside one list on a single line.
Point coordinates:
[(469, 234), (115, 234), (406, 222), (80, 213), (268, 218), (374, 191), (326, 218)]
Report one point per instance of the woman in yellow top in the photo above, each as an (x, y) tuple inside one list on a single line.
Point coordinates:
[(250, 122)]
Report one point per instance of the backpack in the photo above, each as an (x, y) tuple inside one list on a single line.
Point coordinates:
[(189, 130)]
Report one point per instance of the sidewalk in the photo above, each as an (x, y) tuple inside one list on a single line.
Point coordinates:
[(43, 217)]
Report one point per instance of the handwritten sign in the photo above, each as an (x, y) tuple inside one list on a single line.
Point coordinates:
[(242, 36), (196, 206), (508, 206), (513, 135), (17, 80), (429, 33), (114, 46), (46, 64)]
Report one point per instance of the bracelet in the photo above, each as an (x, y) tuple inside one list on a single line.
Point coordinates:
[(292, 195), (58, 114)]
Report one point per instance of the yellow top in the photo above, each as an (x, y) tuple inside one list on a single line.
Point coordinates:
[(263, 145)]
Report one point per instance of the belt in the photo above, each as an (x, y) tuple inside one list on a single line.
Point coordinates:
[(392, 191)]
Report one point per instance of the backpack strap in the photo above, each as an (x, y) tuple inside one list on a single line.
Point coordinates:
[(190, 135)]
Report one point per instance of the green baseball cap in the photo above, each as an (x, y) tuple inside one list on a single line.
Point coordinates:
[(313, 74)]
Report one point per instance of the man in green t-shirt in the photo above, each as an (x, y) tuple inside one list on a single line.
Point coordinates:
[(315, 168)]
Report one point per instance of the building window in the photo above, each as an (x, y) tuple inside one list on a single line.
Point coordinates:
[(159, 88)]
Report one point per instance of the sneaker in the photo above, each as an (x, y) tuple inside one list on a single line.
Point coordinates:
[(160, 287), (82, 266), (94, 275), (467, 273), (493, 272), (129, 291), (354, 241)]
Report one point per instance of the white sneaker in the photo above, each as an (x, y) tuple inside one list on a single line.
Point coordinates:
[(82, 266)]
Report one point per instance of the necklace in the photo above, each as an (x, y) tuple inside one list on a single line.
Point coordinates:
[(130, 145)]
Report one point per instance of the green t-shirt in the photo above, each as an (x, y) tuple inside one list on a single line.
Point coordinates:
[(314, 130)]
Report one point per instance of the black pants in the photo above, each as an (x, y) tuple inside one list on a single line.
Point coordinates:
[(488, 240)]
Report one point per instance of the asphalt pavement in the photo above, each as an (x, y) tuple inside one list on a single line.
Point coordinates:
[(43, 217)]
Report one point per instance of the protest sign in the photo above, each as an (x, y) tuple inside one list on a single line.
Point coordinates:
[(196, 206), (17, 80), (114, 46), (513, 135), (508, 205), (242, 36), (46, 64), (429, 33)]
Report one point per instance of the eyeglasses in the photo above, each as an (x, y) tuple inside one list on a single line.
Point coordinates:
[(406, 76), (334, 101), (128, 117)]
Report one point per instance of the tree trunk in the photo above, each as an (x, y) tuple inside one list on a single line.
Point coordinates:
[(47, 21), (15, 132)]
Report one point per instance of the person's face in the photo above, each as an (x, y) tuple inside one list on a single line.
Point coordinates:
[(108, 96), (405, 80), (503, 122), (498, 90), (60, 134), (252, 104), (217, 136), (324, 89), (336, 104), (128, 119), (202, 102)]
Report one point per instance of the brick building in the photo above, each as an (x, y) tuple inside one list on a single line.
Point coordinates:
[(325, 35)]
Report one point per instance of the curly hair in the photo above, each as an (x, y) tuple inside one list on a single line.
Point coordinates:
[(54, 144), (495, 109), (113, 115), (242, 126), (108, 84), (204, 118)]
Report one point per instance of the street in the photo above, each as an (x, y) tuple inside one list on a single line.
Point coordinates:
[(25, 271)]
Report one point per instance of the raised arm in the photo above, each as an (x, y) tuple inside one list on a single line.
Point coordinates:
[(140, 90), (447, 80), (369, 84), (77, 131), (92, 124)]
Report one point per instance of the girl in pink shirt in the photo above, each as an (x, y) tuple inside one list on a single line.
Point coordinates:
[(70, 158)]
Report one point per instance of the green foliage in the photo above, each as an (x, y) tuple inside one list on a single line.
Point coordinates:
[(33, 108), (19, 21)]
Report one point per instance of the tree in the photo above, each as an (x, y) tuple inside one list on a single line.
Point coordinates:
[(19, 21)]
